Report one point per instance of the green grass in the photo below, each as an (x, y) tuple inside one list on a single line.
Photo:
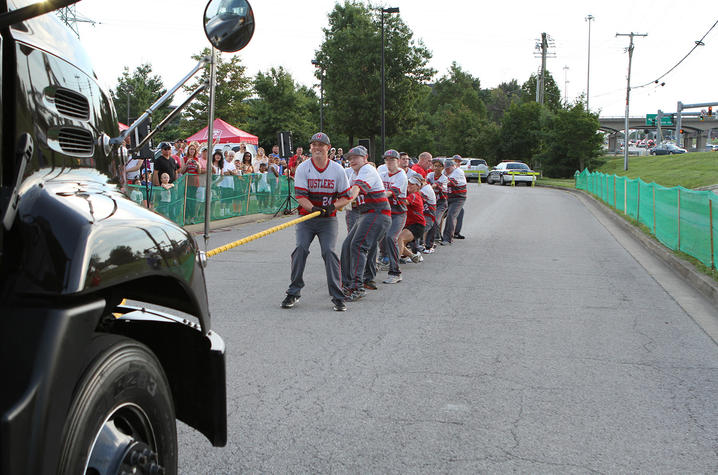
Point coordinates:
[(689, 170), (562, 182)]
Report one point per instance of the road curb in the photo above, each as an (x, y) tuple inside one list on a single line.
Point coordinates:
[(699, 281)]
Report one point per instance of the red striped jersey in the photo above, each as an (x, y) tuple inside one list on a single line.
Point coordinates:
[(396, 183), (439, 185), (320, 186), (415, 209), (372, 197), (456, 187)]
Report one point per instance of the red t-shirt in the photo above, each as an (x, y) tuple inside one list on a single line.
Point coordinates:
[(417, 168), (415, 209), (293, 163)]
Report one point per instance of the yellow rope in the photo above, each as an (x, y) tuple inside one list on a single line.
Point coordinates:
[(261, 234)]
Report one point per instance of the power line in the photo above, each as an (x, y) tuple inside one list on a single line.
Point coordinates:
[(697, 44)]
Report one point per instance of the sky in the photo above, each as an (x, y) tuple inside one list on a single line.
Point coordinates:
[(494, 41)]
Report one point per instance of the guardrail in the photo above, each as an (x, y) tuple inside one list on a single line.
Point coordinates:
[(681, 219)]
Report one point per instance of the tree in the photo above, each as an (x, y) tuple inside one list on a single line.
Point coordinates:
[(351, 58), (521, 131), (459, 88), (552, 93), (143, 89), (572, 142), (500, 98), (231, 91), (451, 117), (282, 105)]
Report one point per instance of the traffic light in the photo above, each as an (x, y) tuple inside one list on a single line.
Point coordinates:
[(681, 131), (710, 111)]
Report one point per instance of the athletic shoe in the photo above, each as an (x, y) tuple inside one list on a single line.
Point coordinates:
[(355, 295), (393, 279), (404, 260), (289, 301), (416, 258), (339, 306), (445, 243), (370, 284), (459, 236), (431, 250), (383, 267)]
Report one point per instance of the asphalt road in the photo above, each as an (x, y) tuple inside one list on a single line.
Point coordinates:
[(538, 344)]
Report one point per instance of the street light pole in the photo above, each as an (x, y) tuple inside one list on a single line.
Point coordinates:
[(383, 104), (317, 64), (589, 19)]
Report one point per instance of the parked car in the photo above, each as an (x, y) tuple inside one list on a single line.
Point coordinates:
[(475, 168), (667, 149), (505, 172), (711, 148)]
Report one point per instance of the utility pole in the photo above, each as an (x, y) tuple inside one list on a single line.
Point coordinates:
[(543, 46), (68, 15), (589, 19), (628, 95)]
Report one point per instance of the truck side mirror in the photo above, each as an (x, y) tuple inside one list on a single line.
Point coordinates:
[(229, 24)]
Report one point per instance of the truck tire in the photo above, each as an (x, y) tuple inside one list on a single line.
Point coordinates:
[(122, 415)]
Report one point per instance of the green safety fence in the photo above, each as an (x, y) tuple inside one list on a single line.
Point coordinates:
[(682, 219), (184, 203)]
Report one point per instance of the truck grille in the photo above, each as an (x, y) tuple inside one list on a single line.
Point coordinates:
[(76, 142), (72, 104)]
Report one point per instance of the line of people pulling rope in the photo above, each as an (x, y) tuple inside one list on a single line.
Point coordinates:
[(388, 212)]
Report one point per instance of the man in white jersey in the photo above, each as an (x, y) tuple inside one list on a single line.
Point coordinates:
[(395, 182), (429, 197), (438, 182), (371, 224), (456, 191), (320, 184), (460, 218)]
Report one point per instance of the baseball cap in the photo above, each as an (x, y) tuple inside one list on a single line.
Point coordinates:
[(358, 150), (320, 137), (449, 162), (416, 180), (456, 157), (391, 153), (165, 146)]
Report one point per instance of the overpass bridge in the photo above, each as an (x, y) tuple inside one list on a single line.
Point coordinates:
[(693, 129)]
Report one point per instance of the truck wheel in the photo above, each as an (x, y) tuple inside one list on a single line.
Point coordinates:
[(122, 415)]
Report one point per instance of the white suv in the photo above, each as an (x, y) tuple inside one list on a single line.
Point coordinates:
[(475, 168)]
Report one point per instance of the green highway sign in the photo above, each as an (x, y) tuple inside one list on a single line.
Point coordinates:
[(665, 120)]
